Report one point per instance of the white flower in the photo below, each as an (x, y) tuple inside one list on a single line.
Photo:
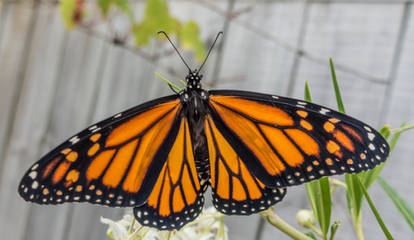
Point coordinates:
[(209, 225)]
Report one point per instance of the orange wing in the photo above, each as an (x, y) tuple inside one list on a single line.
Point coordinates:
[(287, 142), (235, 189), (115, 162), (177, 197)]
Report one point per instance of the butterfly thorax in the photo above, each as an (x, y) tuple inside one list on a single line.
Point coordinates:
[(195, 99)]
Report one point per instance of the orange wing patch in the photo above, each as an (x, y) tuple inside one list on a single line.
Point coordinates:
[(109, 162), (138, 153), (177, 195), (231, 181), (251, 136), (178, 180), (290, 140), (138, 124), (224, 163), (261, 112)]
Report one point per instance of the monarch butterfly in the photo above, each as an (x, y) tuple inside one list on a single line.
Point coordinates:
[(161, 156)]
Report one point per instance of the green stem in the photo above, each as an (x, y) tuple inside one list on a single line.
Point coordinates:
[(270, 216), (136, 234), (402, 129), (167, 81), (338, 182), (132, 226), (316, 230), (358, 230)]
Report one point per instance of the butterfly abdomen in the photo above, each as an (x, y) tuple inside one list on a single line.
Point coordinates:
[(197, 110)]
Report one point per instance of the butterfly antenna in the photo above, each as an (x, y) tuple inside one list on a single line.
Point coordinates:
[(209, 51), (159, 32)]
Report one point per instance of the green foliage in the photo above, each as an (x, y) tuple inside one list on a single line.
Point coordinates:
[(72, 12), (339, 101), (168, 82), (355, 189), (355, 184), (334, 228), (374, 210), (156, 17), (399, 202), (123, 5), (319, 193), (190, 39)]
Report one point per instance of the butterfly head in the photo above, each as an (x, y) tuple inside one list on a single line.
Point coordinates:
[(193, 80)]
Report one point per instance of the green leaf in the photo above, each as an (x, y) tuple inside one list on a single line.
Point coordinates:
[(168, 82), (308, 97), (311, 235), (190, 38), (71, 12), (334, 228), (354, 198), (319, 193), (375, 211), (123, 5), (385, 131), (105, 5), (369, 176), (401, 205), (339, 101), (156, 18), (354, 192)]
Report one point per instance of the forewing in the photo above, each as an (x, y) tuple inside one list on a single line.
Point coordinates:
[(287, 142), (115, 162), (177, 197), (235, 189)]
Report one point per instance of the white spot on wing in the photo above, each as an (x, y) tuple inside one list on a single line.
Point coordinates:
[(324, 111), (96, 129), (302, 103), (35, 166), (275, 97), (371, 146), (371, 136), (74, 139), (35, 184), (368, 128), (33, 175)]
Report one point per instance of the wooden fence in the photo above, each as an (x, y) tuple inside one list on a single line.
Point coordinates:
[(53, 83)]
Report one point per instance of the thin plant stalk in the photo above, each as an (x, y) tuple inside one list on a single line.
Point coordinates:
[(270, 216)]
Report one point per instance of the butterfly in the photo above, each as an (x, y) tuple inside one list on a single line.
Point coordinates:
[(161, 156)]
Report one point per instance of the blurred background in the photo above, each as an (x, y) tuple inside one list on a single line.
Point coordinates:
[(54, 82)]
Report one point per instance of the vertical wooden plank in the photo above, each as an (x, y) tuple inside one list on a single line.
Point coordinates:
[(69, 115), (356, 39), (398, 171), (361, 37), (358, 35), (257, 63), (16, 24), (31, 115), (3, 14)]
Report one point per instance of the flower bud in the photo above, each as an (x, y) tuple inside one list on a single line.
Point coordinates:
[(305, 218)]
